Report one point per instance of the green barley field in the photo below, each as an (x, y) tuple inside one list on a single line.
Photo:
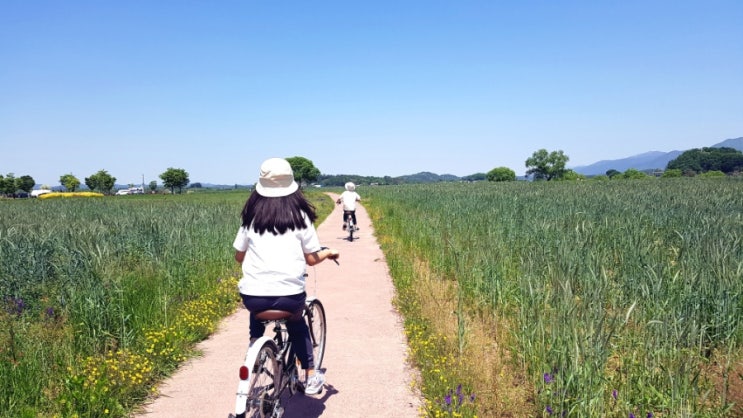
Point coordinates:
[(580, 299), (104, 296)]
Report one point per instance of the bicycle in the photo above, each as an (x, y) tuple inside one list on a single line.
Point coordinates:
[(349, 225), (270, 366)]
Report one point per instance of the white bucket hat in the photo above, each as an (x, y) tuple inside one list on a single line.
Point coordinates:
[(276, 179), (350, 186)]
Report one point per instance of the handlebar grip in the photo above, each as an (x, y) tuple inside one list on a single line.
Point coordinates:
[(335, 260)]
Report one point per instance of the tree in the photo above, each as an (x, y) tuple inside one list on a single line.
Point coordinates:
[(304, 170), (612, 173), (100, 181), (25, 183), (11, 184), (477, 177), (7, 184), (632, 173), (501, 174), (571, 175), (546, 166), (153, 185), (725, 159), (712, 173), (69, 181), (175, 178), (672, 173)]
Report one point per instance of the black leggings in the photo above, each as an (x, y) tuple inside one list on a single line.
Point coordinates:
[(353, 216), (299, 334)]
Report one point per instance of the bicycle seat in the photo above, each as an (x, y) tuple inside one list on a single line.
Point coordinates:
[(273, 315)]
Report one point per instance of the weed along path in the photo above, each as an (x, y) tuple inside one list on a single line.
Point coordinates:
[(366, 369)]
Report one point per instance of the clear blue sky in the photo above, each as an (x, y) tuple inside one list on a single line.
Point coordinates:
[(371, 88)]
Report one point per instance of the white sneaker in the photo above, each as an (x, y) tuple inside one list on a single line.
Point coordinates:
[(314, 383)]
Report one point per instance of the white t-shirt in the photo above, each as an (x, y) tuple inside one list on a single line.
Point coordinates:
[(274, 265), (349, 200)]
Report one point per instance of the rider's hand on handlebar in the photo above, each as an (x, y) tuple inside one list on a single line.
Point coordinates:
[(332, 254)]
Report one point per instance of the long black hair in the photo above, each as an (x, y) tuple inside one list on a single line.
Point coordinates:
[(277, 214)]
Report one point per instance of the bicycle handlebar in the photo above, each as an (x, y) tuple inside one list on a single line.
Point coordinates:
[(335, 260)]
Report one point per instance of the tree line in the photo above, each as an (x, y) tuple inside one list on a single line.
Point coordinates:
[(543, 165), (546, 165), (708, 161), (174, 179)]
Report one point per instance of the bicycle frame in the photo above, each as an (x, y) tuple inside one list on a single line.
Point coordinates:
[(349, 224)]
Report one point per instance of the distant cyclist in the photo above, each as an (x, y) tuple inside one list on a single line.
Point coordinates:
[(349, 199)]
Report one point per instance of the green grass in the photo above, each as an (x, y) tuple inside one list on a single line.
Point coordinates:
[(103, 297), (630, 289), (582, 298)]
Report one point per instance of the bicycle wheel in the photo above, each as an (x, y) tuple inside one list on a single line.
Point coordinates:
[(264, 380), (316, 323)]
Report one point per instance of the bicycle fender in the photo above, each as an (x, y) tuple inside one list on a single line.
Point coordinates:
[(253, 352), (243, 385)]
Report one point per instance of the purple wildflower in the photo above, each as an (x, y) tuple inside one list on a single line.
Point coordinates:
[(447, 399), (631, 415), (548, 378), (650, 415), (20, 305), (549, 409), (50, 312), (472, 397), (614, 394)]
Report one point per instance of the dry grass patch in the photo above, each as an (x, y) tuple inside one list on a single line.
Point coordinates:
[(726, 374), (485, 362)]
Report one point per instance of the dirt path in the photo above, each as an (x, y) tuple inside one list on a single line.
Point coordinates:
[(365, 359)]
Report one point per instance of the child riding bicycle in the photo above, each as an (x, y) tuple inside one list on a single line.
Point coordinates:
[(274, 244), (349, 199)]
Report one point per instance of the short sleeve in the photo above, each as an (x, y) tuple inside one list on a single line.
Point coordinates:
[(310, 240), (241, 240)]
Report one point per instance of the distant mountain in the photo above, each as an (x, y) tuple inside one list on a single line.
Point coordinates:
[(646, 161), (736, 143), (426, 177)]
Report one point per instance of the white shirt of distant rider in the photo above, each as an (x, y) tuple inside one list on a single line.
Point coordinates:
[(349, 200)]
